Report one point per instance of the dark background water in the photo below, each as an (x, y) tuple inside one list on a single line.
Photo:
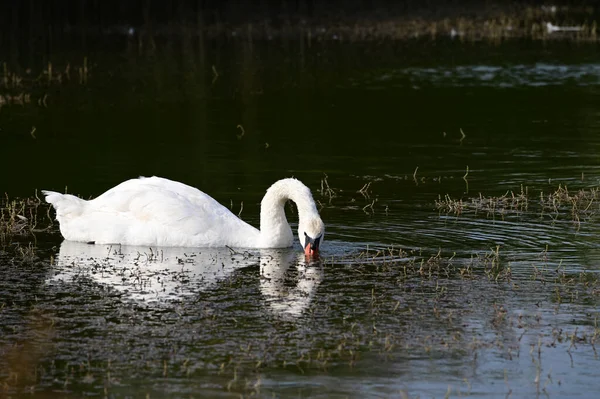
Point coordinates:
[(102, 104), (333, 110)]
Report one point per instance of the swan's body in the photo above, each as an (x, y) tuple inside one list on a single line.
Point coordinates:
[(157, 211)]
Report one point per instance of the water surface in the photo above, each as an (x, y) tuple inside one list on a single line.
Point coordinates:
[(490, 302)]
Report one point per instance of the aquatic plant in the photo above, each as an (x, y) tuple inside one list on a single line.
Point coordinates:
[(20, 218), (579, 204)]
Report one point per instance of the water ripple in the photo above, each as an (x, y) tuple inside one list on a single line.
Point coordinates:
[(520, 75)]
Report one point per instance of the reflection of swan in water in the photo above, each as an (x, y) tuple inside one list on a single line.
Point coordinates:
[(163, 273), (288, 291), (148, 272)]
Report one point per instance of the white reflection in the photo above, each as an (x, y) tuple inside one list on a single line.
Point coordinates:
[(287, 282), (288, 290), (149, 273)]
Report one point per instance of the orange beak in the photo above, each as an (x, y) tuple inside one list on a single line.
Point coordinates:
[(311, 246), (311, 252)]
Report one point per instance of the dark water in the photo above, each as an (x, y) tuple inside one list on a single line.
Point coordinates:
[(446, 317)]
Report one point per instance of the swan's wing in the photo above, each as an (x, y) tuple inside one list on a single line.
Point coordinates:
[(150, 184), (162, 212)]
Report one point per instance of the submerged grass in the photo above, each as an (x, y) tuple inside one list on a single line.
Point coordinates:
[(581, 204), (397, 306), (491, 265)]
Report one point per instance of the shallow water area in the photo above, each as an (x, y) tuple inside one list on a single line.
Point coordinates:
[(459, 189), (375, 326)]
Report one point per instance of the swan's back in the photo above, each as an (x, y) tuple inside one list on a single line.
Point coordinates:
[(151, 211)]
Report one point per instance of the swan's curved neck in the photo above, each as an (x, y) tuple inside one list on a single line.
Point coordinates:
[(275, 230)]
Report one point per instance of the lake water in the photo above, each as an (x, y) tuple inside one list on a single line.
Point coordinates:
[(411, 298)]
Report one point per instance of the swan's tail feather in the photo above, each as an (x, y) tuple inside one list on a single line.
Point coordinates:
[(66, 205)]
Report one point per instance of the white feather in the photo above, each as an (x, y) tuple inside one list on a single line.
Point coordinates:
[(157, 211)]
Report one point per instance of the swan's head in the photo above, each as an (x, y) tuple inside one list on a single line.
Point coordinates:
[(311, 233)]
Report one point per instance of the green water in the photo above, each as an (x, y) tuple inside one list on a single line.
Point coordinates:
[(96, 321)]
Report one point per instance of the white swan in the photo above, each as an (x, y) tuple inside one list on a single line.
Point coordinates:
[(162, 212)]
